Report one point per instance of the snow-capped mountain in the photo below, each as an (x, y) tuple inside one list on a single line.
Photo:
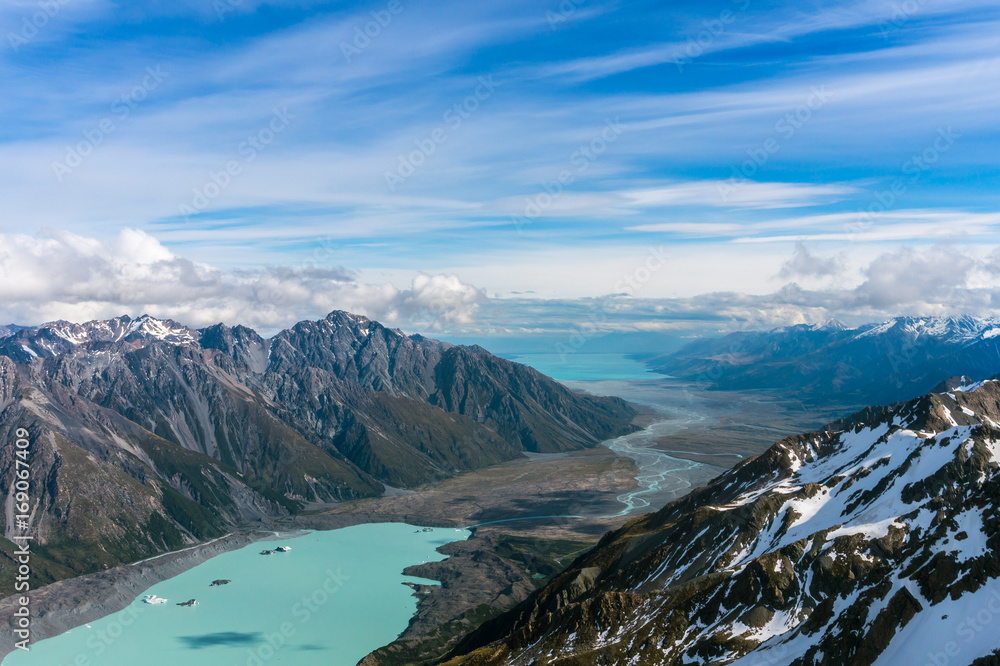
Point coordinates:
[(834, 365), (60, 337), (875, 541), (10, 329), (956, 330)]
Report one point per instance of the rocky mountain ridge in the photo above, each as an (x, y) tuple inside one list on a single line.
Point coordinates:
[(832, 364), (874, 541), (148, 435)]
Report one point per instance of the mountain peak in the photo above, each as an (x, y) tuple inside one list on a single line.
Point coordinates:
[(833, 325), (120, 328), (959, 383), (953, 328), (343, 316), (59, 337)]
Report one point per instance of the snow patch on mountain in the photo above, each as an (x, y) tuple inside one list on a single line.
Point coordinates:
[(867, 483), (957, 631), (60, 337), (952, 329)]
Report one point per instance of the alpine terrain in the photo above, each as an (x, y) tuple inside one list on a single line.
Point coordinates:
[(147, 435), (873, 541), (833, 364)]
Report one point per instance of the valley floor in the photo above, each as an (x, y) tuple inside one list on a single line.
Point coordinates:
[(738, 425)]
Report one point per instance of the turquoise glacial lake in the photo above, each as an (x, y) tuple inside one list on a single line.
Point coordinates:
[(332, 599), (586, 367)]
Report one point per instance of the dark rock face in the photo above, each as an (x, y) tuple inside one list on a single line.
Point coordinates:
[(874, 364), (845, 546), (147, 435)]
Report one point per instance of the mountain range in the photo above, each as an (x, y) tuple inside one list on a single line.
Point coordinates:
[(147, 435), (873, 541), (832, 364)]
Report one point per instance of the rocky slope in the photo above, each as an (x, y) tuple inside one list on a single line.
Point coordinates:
[(147, 435), (827, 364), (875, 541)]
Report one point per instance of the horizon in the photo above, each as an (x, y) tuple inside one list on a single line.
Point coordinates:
[(530, 344)]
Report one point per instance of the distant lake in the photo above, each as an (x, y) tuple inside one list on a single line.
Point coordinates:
[(332, 599), (578, 367)]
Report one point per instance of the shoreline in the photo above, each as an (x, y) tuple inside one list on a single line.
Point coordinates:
[(67, 604), (59, 607)]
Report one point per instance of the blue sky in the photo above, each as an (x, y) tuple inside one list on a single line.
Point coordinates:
[(737, 162)]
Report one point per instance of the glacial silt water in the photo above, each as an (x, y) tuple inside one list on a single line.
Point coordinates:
[(330, 600)]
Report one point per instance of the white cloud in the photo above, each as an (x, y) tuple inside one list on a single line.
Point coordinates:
[(902, 226), (853, 227), (735, 29), (695, 229), (746, 194), (932, 278), (940, 280), (67, 276), (807, 264)]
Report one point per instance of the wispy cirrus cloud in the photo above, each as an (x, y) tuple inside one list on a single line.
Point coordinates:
[(734, 26), (744, 195)]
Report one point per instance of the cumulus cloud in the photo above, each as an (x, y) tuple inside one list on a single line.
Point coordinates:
[(806, 264), (930, 282), (66, 276), (911, 278)]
